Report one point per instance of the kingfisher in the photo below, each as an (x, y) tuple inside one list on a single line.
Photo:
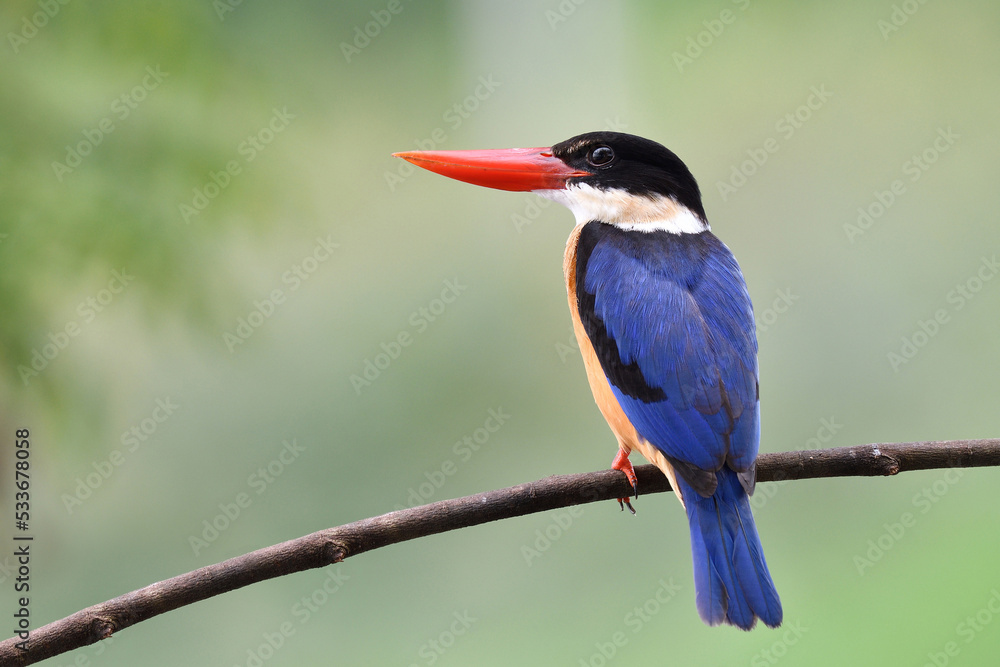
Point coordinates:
[(665, 325)]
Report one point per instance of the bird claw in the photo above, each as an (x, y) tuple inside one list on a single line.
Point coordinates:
[(622, 464)]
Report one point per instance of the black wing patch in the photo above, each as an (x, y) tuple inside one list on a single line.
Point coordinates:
[(627, 377)]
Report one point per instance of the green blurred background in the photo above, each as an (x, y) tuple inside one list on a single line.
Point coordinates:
[(294, 111)]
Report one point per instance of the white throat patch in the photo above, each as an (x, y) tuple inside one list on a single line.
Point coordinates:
[(639, 213)]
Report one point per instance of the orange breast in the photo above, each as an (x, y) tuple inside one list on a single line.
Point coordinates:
[(628, 438)]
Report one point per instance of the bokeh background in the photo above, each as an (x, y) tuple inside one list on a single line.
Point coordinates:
[(214, 153)]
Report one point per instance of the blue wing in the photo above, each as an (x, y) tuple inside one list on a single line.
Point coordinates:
[(672, 324), (670, 320)]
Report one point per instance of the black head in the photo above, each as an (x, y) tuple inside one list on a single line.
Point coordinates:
[(627, 162)]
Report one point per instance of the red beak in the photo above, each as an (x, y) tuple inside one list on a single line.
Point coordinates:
[(516, 169)]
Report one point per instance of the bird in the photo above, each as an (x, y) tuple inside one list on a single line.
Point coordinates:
[(665, 325)]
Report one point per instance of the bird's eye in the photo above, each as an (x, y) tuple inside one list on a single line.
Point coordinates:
[(601, 156)]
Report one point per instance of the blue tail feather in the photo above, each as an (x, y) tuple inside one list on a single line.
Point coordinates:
[(731, 579)]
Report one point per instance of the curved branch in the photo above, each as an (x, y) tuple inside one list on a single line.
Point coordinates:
[(335, 544)]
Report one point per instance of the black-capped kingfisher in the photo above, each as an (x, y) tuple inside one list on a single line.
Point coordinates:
[(665, 325)]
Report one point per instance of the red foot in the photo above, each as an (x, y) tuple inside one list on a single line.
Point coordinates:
[(622, 464)]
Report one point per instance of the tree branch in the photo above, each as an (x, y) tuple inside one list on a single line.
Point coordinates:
[(335, 544)]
